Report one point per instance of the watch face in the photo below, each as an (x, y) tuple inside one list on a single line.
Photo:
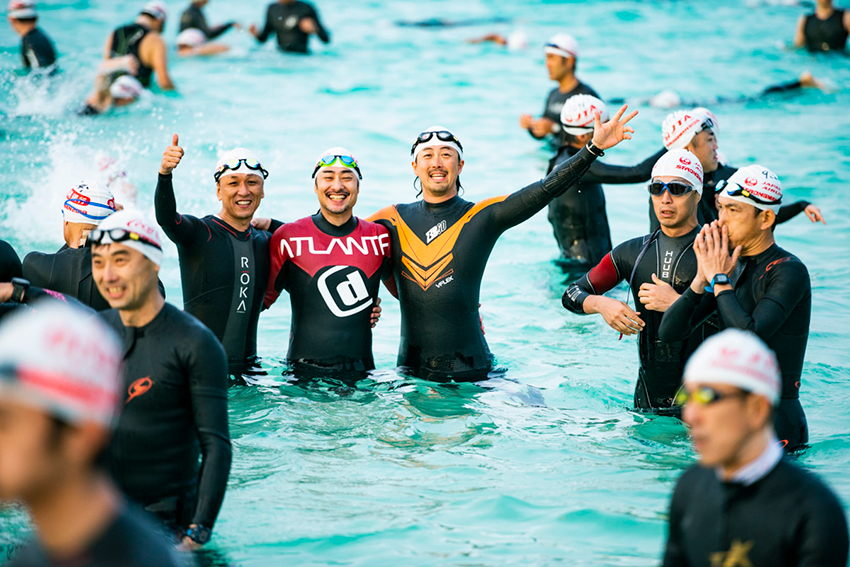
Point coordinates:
[(721, 279)]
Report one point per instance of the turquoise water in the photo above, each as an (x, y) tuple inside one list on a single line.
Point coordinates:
[(400, 472)]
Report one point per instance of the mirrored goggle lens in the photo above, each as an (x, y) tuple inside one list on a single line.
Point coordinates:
[(700, 396), (675, 188)]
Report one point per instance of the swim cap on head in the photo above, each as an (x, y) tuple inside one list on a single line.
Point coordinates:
[(562, 44), (150, 243), (579, 111), (126, 87), (709, 120), (239, 160), (88, 203), (62, 360), (155, 9), (338, 157), (666, 99), (192, 37), (517, 40), (680, 127), (22, 9), (680, 163), (737, 358), (754, 185), (436, 136)]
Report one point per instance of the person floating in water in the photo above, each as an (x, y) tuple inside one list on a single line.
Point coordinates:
[(293, 22), (37, 51), (825, 29), (115, 85)]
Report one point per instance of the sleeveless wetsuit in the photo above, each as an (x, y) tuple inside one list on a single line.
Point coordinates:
[(193, 17), (224, 274), (130, 540), (126, 41), (439, 255), (578, 217), (332, 274), (773, 299), (283, 20), (788, 518), (10, 263), (175, 411), (672, 260), (826, 35), (37, 50)]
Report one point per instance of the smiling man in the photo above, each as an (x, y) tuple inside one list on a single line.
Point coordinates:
[(175, 379), (224, 261), (332, 265)]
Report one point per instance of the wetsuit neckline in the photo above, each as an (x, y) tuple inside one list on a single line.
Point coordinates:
[(443, 204), (331, 229), (243, 234)]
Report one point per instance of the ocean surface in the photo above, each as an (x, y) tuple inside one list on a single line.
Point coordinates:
[(547, 466)]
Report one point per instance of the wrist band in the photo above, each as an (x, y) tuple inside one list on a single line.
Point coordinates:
[(594, 150)]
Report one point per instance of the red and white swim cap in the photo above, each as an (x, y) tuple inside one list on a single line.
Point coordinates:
[(135, 222), (680, 127), (680, 163), (754, 185), (579, 111)]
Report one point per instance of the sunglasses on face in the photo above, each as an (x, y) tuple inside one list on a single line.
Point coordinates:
[(705, 396), (442, 135), (234, 164), (740, 191), (346, 161), (676, 188), (96, 236)]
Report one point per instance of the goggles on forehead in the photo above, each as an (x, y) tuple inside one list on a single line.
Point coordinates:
[(707, 124), (740, 191), (117, 235), (442, 135), (234, 164), (345, 161)]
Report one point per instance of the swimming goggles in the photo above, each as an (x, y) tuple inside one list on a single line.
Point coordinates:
[(442, 135), (707, 124), (345, 161), (705, 396), (233, 165), (676, 188), (723, 184), (96, 236)]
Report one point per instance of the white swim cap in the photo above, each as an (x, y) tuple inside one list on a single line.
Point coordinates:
[(338, 157), (517, 40), (126, 87), (88, 203), (22, 9), (666, 99), (737, 358), (192, 37), (436, 136), (709, 120), (680, 127), (579, 111), (680, 163), (62, 360), (239, 160), (753, 185), (564, 45), (155, 9), (144, 235)]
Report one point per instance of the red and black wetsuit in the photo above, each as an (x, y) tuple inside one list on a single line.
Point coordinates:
[(223, 272), (772, 297), (332, 274), (671, 260), (439, 255)]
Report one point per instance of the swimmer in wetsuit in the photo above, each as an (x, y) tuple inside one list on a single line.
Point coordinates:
[(10, 263), (142, 40), (224, 261), (826, 29), (112, 88), (561, 57), (37, 51), (578, 217), (744, 504), (193, 18), (171, 449), (658, 267), (293, 22), (440, 247), (332, 265), (696, 131), (767, 292), (59, 396)]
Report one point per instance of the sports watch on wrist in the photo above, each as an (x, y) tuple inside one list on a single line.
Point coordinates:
[(721, 279), (199, 534), (19, 289)]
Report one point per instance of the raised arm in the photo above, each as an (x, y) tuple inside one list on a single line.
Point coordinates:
[(600, 172), (180, 229)]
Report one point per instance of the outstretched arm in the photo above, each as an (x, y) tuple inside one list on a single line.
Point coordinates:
[(601, 172), (180, 229)]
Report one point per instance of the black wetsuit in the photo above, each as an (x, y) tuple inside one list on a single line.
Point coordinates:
[(707, 210), (126, 41), (37, 50), (175, 411), (826, 35), (439, 255), (773, 299), (283, 20), (332, 274), (671, 260), (578, 217), (788, 518), (10, 263), (552, 110), (193, 17), (130, 540), (223, 271)]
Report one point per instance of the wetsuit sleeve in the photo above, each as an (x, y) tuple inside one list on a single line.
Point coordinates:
[(321, 32), (685, 315), (791, 210), (269, 27), (600, 172), (522, 205), (216, 31), (180, 229), (10, 263), (277, 274), (597, 281), (784, 290), (274, 225), (824, 541), (35, 294), (207, 373), (782, 88)]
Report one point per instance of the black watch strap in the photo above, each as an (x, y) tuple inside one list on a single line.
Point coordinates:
[(591, 147), (199, 534), (19, 289)]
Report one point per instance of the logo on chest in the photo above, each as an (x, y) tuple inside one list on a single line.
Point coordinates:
[(344, 290), (435, 231)]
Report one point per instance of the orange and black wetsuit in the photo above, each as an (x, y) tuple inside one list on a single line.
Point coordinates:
[(439, 255)]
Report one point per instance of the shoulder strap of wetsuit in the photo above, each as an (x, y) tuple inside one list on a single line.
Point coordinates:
[(640, 255)]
